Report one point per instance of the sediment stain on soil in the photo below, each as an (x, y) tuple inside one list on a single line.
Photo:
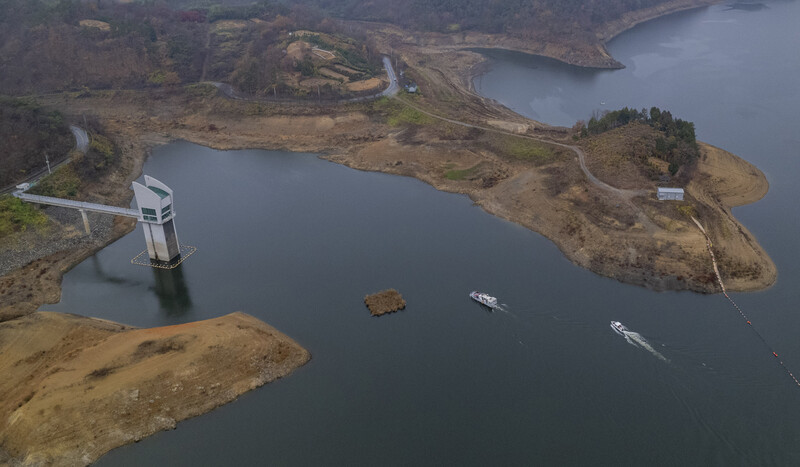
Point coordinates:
[(74, 388)]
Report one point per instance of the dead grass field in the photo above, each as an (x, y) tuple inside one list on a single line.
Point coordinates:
[(74, 388), (366, 85), (332, 74)]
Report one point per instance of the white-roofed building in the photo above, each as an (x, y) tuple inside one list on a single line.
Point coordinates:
[(670, 194)]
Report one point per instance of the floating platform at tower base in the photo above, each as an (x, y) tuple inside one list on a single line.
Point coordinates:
[(143, 259)]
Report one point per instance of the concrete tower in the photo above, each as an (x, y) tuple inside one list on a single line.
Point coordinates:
[(156, 213)]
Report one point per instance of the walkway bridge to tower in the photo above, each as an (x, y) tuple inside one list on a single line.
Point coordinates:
[(81, 205), (155, 212)]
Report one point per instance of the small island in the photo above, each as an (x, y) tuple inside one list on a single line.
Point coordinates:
[(385, 301)]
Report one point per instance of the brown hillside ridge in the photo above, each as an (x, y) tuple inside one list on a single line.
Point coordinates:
[(513, 167), (485, 165), (74, 388), (724, 181), (541, 187)]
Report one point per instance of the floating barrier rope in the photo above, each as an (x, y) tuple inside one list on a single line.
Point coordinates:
[(709, 245)]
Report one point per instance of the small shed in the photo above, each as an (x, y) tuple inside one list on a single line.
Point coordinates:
[(670, 194)]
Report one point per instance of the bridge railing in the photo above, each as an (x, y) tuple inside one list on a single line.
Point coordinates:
[(82, 205)]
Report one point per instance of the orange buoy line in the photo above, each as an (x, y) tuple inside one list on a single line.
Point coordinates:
[(725, 293)]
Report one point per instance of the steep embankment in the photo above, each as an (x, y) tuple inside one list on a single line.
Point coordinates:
[(724, 181), (74, 388), (586, 50), (570, 50), (610, 29)]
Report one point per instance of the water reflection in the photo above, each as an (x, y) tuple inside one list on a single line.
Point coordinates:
[(172, 292), (106, 277), (747, 6), (545, 65), (546, 85)]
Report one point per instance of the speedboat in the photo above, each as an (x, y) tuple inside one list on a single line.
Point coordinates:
[(619, 328), (484, 298)]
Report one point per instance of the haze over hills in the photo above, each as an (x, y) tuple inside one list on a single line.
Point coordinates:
[(69, 45), (55, 45), (82, 46), (523, 18), (85, 45)]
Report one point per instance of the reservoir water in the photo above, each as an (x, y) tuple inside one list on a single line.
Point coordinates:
[(298, 242)]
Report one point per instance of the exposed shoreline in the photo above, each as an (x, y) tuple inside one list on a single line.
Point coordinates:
[(578, 53), (632, 19), (554, 200), (344, 136), (75, 387)]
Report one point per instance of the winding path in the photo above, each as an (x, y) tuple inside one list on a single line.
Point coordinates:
[(81, 143), (626, 194), (394, 88), (81, 138)]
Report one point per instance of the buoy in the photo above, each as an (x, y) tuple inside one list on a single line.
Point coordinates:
[(709, 244)]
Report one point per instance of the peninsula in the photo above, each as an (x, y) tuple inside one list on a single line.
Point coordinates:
[(76, 387), (522, 170)]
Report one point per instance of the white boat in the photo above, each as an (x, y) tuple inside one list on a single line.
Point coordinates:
[(619, 328), (484, 299)]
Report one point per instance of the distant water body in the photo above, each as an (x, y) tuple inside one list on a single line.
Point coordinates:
[(298, 242)]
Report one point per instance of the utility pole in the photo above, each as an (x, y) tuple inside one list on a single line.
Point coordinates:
[(46, 159), (85, 222)]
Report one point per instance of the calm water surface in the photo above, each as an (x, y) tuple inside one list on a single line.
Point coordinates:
[(298, 242)]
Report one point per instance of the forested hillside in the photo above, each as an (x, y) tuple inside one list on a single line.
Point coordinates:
[(27, 134), (58, 45), (658, 144), (66, 45), (522, 18)]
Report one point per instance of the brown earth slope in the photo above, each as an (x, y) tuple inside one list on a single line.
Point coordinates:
[(724, 181), (73, 388), (530, 175)]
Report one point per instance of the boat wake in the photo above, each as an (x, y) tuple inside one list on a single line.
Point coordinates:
[(636, 340)]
